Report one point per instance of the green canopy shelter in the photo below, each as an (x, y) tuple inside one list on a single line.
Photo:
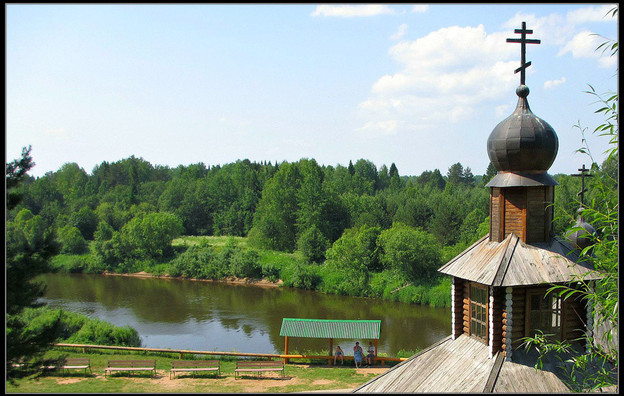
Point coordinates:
[(327, 328)]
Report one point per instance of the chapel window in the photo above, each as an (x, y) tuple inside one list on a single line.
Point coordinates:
[(544, 314), (478, 311)]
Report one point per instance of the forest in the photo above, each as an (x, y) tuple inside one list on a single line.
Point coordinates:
[(355, 230)]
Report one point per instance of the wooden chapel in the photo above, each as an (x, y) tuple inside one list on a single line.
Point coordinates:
[(500, 283)]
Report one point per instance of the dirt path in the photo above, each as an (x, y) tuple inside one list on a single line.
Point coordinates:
[(269, 383)]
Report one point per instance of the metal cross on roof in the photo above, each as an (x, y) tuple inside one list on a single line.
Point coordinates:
[(583, 175), (523, 42)]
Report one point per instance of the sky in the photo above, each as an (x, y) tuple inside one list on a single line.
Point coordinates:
[(421, 86)]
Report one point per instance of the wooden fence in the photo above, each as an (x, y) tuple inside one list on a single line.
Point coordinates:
[(183, 352)]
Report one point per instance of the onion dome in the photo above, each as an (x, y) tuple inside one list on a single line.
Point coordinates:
[(582, 237), (522, 147)]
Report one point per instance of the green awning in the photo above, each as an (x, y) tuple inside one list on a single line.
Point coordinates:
[(325, 328)]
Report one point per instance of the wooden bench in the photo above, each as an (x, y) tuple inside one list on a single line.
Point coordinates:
[(131, 365), (194, 366), (71, 364), (77, 364), (259, 367)]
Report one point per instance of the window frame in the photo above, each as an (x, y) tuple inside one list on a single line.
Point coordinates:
[(542, 295), (482, 305)]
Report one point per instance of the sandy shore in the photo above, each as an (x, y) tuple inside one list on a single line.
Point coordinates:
[(230, 280)]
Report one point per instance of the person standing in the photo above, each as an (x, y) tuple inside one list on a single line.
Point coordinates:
[(358, 353)]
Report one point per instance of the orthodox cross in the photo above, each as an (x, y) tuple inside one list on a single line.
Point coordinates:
[(582, 175), (523, 42)]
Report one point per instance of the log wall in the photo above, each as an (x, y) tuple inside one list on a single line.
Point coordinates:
[(536, 214), (514, 212), (466, 308), (458, 306), (519, 316), (495, 216), (524, 211), (574, 318), (497, 324)]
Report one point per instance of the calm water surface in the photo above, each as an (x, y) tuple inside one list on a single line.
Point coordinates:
[(184, 314)]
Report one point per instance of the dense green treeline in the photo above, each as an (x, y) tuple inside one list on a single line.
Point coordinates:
[(356, 230)]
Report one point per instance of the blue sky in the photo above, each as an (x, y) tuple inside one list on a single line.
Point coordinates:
[(418, 85)]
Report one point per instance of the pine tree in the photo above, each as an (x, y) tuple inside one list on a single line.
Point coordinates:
[(29, 245), (393, 170)]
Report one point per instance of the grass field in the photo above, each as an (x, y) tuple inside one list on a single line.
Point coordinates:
[(298, 378), (190, 240)]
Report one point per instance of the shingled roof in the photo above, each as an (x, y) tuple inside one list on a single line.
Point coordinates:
[(515, 263)]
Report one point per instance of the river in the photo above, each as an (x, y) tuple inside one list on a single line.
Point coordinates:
[(196, 315)]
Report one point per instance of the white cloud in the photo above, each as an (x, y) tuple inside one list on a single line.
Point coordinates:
[(502, 111), (591, 14), (553, 83), (442, 78), (420, 8), (568, 33), (451, 60), (400, 32), (376, 128), (584, 44), (347, 11), (551, 29), (445, 76)]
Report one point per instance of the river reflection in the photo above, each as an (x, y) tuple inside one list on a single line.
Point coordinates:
[(183, 314)]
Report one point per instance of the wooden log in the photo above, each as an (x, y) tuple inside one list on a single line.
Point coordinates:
[(520, 300)]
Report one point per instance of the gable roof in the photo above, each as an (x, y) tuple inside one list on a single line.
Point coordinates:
[(325, 328), (515, 263)]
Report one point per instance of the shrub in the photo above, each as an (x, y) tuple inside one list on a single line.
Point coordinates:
[(440, 295), (384, 285), (347, 281), (99, 332), (313, 244), (94, 265), (70, 262), (300, 275), (270, 272), (72, 240), (244, 264), (198, 262), (80, 329)]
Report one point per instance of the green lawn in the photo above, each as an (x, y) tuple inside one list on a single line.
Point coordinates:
[(298, 378), (189, 240)]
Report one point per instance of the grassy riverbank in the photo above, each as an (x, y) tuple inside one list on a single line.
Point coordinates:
[(298, 378), (223, 258)]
